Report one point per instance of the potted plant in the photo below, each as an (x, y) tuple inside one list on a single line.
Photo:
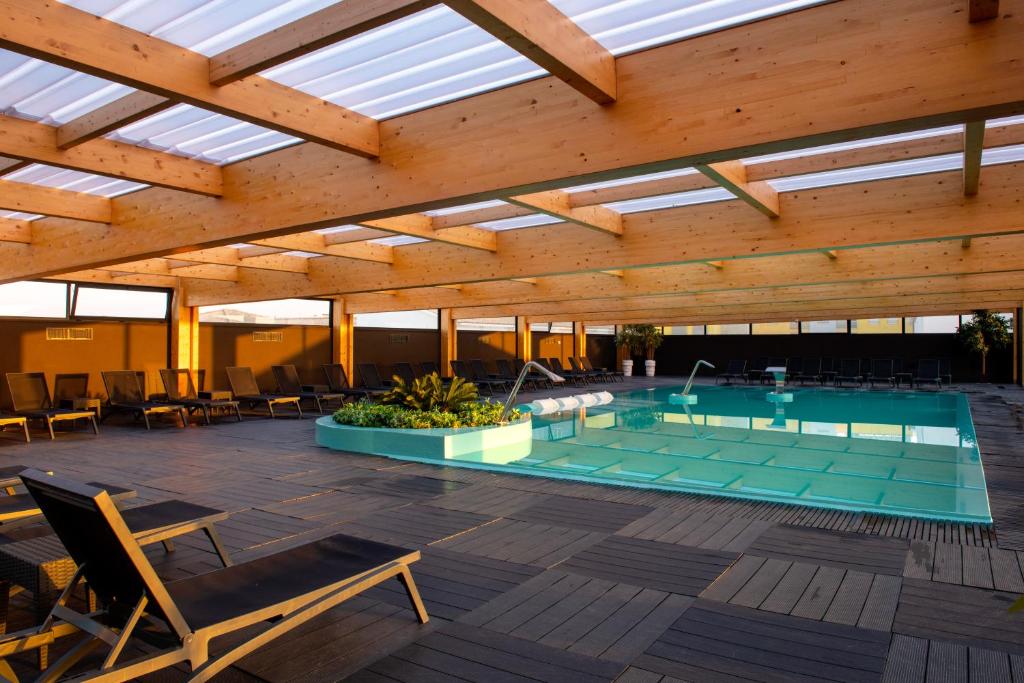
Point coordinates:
[(625, 340), (649, 338), (984, 332)]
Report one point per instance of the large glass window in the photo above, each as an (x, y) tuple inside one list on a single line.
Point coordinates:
[(729, 328), (933, 324), (34, 300), (487, 324), (277, 312), (682, 330), (103, 302), (554, 328), (823, 326), (423, 319), (601, 329), (774, 328), (877, 326)]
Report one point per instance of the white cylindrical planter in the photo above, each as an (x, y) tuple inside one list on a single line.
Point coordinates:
[(649, 367), (627, 368)]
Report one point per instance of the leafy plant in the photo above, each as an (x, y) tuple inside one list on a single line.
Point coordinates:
[(984, 332), (430, 393), (640, 339), (471, 414)]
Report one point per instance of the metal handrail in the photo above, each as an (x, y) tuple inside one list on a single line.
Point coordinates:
[(519, 383), (696, 366)]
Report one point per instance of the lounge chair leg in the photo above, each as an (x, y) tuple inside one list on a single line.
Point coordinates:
[(270, 407), (414, 595), (49, 425), (238, 413), (145, 417), (24, 428), (168, 546), (214, 537), (95, 425), (298, 408), (206, 414)]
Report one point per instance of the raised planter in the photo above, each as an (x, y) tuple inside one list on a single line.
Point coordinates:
[(498, 445)]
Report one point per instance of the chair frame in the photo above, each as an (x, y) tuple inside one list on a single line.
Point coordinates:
[(46, 411), (288, 382), (141, 407), (192, 401), (731, 372), (345, 388), (270, 400)]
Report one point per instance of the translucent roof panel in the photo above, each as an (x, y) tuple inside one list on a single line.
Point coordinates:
[(466, 207), (531, 221), (76, 181), (632, 180), (670, 201), (398, 240)]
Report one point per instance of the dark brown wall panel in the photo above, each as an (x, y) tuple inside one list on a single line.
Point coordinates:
[(386, 346), (222, 345)]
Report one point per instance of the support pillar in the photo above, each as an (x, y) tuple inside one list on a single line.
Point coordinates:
[(524, 340), (449, 341), (184, 334), (342, 337), (579, 339)]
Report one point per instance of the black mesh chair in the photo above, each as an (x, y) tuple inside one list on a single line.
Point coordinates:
[(810, 371), (533, 376), (555, 365), (247, 390), (734, 369), (288, 382), (882, 371), (614, 376), (125, 395), (404, 372), (30, 398), (337, 381), (849, 371), (370, 377), (69, 386), (756, 371), (928, 372), (181, 390)]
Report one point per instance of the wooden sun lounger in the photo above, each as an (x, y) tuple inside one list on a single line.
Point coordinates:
[(280, 591), (244, 387)]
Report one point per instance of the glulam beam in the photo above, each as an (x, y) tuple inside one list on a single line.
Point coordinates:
[(13, 230), (541, 33), (732, 175), (132, 107), (557, 204), (51, 201), (974, 143), (422, 226), (75, 39)]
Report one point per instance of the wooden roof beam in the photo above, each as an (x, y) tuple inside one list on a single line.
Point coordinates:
[(732, 175), (314, 243), (37, 143), (177, 269), (548, 38), (123, 55), (229, 256), (13, 230), (121, 112), (982, 10), (556, 203), (974, 143), (51, 201), (330, 25), (421, 225)]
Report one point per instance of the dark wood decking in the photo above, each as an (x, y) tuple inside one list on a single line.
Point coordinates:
[(532, 579)]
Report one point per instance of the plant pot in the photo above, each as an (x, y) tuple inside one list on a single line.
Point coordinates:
[(649, 367), (627, 368)]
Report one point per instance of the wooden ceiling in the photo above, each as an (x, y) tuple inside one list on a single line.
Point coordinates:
[(937, 242)]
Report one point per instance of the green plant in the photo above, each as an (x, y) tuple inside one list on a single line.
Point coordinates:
[(640, 339), (472, 414), (430, 393), (984, 332)]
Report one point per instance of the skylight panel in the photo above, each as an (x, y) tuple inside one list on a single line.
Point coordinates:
[(531, 221), (19, 216), (75, 181), (302, 254), (670, 201), (465, 207), (338, 228), (632, 180), (398, 240)]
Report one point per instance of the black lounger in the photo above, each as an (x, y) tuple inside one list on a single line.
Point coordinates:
[(337, 381), (180, 389), (735, 369), (30, 398), (245, 389), (288, 382), (125, 395)]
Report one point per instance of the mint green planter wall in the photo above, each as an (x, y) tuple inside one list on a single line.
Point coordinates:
[(490, 445)]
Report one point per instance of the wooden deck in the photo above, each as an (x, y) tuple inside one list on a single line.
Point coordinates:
[(535, 579)]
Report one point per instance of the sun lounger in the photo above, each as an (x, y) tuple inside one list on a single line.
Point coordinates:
[(756, 371), (30, 398), (734, 369), (68, 387), (337, 381), (811, 370), (481, 374), (610, 374), (246, 390), (180, 389), (15, 421), (882, 371), (533, 376), (555, 364), (928, 372), (278, 592), (371, 379), (405, 372), (849, 371), (576, 365), (288, 382), (125, 395)]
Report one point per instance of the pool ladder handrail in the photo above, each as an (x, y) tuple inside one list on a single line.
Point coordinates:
[(696, 366), (519, 383)]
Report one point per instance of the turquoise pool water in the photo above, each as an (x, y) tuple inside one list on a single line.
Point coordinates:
[(900, 453)]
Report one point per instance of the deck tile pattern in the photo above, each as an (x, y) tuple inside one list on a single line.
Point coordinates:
[(542, 545), (589, 515), (832, 548)]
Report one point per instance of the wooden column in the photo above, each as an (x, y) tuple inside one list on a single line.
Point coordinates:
[(342, 337), (579, 339), (184, 334), (524, 340), (449, 342)]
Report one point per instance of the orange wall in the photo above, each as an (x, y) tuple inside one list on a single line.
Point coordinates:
[(223, 345)]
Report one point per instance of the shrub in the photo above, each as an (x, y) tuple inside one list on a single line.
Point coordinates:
[(470, 414), (430, 393)]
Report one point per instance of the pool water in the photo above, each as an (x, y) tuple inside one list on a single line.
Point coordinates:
[(900, 453)]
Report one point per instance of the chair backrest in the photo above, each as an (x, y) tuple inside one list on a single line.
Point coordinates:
[(336, 377), (405, 372), (459, 369), (96, 536), (369, 375), (795, 365), (759, 364), (287, 378), (178, 384), (70, 385), (505, 368), (575, 364), (28, 390), (812, 366), (587, 365), (123, 386), (549, 364), (736, 367), (776, 363), (850, 367), (201, 377), (519, 364), (242, 381), (881, 367), (928, 368), (945, 365), (429, 367), (479, 369)]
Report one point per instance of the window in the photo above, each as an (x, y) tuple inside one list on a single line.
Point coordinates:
[(933, 324), (877, 326), (823, 326), (553, 328), (487, 324), (1008, 317), (277, 312), (601, 329), (34, 300), (424, 319), (730, 328), (104, 302), (683, 330), (774, 328)]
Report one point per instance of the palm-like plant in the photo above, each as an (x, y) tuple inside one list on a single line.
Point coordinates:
[(430, 393)]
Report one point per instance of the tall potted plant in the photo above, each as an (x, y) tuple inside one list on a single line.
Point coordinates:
[(984, 332), (649, 338), (625, 340)]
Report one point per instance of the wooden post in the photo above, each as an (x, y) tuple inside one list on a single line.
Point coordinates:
[(342, 337), (184, 334), (449, 342), (579, 339), (524, 340)]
